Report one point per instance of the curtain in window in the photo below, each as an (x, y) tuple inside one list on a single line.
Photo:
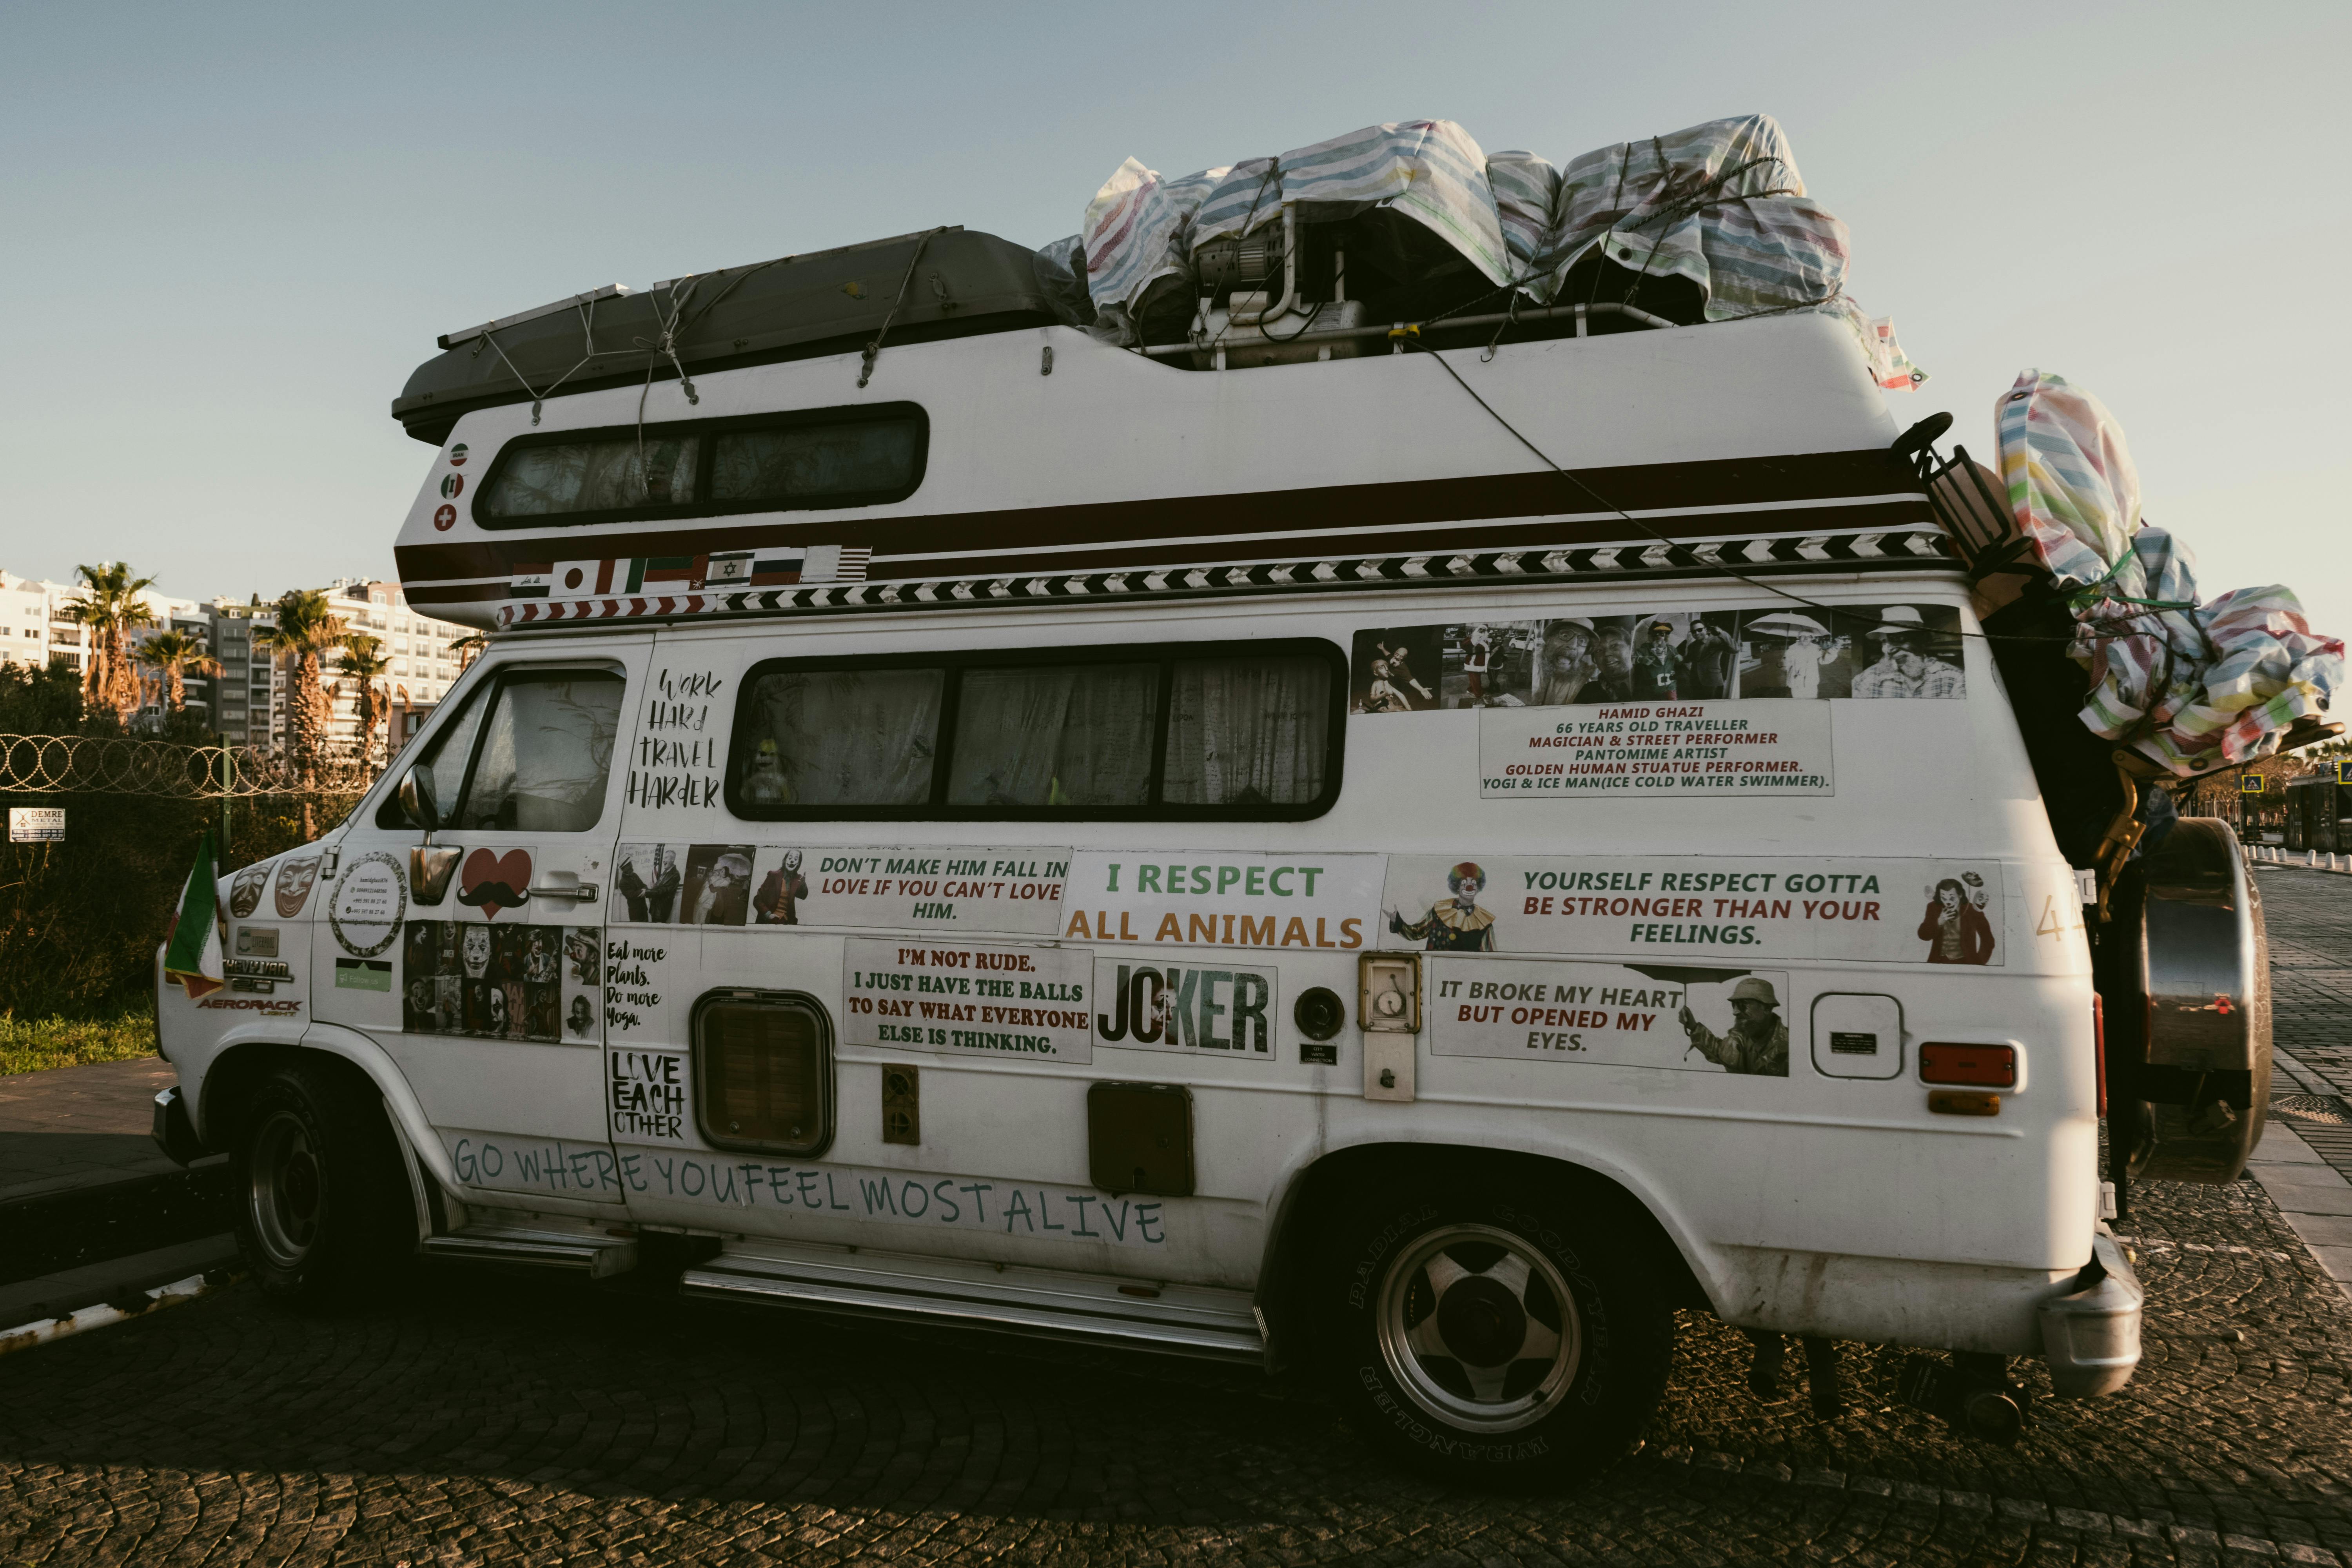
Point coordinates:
[(547, 754), (594, 476), (1055, 736), (842, 737), (1247, 731), (809, 460)]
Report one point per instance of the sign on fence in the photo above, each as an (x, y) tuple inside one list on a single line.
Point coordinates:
[(36, 823)]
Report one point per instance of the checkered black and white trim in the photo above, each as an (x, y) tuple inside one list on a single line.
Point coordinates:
[(1900, 549)]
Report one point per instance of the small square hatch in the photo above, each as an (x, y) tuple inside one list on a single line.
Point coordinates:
[(1857, 1036), (1139, 1138)]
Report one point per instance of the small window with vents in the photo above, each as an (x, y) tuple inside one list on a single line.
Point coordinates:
[(763, 1072)]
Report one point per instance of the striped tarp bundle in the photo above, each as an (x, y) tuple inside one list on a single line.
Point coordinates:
[(2192, 685), (1134, 232), (1721, 204), (1527, 191)]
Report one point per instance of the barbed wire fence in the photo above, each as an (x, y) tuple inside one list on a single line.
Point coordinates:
[(172, 770)]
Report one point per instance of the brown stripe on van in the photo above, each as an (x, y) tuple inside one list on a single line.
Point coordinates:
[(1348, 510)]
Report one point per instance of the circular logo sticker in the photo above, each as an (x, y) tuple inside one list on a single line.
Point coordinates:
[(444, 517), (245, 890), (295, 875), (452, 486), (458, 455), (369, 897)]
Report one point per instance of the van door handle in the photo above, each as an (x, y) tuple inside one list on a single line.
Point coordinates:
[(563, 885)]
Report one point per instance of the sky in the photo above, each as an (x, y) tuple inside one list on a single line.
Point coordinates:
[(229, 232)]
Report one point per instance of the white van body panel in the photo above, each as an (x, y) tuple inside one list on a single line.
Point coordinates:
[(1815, 1201)]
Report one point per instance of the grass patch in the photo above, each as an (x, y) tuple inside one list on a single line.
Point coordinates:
[(32, 1045)]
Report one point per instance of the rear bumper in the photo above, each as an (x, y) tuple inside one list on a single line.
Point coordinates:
[(2090, 1334), (174, 1133)]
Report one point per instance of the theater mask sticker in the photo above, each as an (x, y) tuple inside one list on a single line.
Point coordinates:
[(297, 874), (245, 890)]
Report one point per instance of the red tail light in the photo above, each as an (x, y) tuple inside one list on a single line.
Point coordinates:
[(1988, 1066)]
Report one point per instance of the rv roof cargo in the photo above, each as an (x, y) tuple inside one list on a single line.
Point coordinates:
[(794, 307)]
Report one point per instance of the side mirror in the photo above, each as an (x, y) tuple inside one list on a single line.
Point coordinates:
[(416, 798)]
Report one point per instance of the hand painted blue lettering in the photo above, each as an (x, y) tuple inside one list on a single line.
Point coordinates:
[(877, 1196), (1146, 1216), (1045, 1212), (831, 1198), (1082, 1200), (979, 1203), (1018, 1209), (907, 1198), (955, 1209)]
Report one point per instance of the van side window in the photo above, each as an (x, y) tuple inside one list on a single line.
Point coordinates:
[(842, 737), (1056, 735), (544, 753), (803, 460), (1247, 731), (443, 761), (1237, 731)]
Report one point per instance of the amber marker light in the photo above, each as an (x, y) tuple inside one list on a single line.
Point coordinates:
[(1963, 1102), (1988, 1066)]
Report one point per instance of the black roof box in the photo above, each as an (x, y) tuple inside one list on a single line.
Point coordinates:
[(795, 307)]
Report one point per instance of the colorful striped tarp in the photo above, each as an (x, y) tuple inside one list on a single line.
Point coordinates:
[(1721, 204), (2192, 685)]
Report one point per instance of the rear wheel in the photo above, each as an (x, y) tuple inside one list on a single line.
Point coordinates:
[(323, 1207), (1509, 1340)]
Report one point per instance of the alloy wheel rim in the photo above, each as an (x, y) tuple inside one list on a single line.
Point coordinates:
[(1479, 1329), (288, 1190)]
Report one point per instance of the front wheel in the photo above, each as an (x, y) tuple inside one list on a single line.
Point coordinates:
[(1512, 1339), (322, 1205)]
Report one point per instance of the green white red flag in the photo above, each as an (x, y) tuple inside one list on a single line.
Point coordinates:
[(194, 959)]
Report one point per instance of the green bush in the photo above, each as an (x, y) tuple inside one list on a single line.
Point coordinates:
[(32, 1045)]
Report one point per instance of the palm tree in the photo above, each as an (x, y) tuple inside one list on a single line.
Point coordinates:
[(174, 656), (110, 607), (363, 660), (468, 648), (307, 628)]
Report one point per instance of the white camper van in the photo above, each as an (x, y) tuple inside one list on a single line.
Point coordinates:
[(1400, 856)]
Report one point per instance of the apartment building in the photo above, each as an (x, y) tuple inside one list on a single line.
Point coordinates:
[(247, 701), (37, 627)]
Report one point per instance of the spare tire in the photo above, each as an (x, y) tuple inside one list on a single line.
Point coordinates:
[(2183, 972)]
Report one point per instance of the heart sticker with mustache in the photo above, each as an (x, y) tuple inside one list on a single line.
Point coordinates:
[(490, 881)]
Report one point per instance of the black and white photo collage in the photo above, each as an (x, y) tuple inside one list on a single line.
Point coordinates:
[(1788, 651), (539, 983), (708, 884)]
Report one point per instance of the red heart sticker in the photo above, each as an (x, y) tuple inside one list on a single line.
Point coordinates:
[(490, 881)]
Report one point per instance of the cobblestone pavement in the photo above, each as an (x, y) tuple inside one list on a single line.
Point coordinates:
[(481, 1418), (2310, 919)]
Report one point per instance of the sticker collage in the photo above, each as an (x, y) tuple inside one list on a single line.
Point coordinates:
[(1796, 652)]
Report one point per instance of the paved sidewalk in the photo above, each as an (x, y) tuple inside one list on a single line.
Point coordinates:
[(80, 1127)]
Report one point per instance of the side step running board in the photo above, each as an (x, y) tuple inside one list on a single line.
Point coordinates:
[(596, 1255), (1187, 1319)]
